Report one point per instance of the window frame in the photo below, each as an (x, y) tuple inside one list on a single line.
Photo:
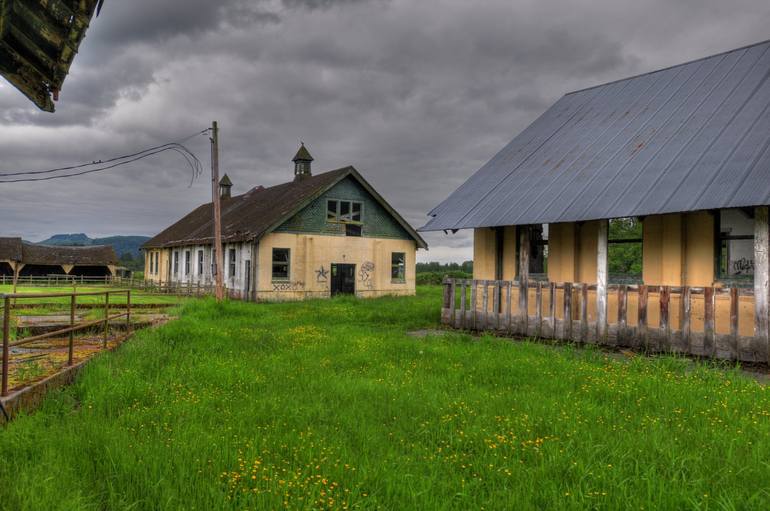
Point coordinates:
[(398, 268), (232, 263), (719, 239), (187, 261), (176, 262), (630, 278), (275, 262), (337, 219), (201, 264)]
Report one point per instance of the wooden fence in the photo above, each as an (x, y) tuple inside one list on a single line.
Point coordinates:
[(9, 300), (176, 288), (663, 320)]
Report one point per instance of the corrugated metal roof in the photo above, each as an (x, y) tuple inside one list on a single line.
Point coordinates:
[(689, 137)]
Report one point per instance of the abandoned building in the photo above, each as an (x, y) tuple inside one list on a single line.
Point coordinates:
[(633, 213), (22, 259), (316, 236), (38, 43)]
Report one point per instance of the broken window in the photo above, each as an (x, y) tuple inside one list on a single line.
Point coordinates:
[(735, 244), (281, 259), (344, 211), (232, 263), (538, 251), (398, 266), (624, 250)]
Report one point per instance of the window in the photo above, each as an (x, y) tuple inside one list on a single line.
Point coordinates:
[(231, 273), (624, 250), (281, 259), (187, 256), (538, 251), (213, 262), (157, 260), (344, 211), (151, 259), (176, 263), (200, 262), (353, 230), (398, 267), (735, 244)]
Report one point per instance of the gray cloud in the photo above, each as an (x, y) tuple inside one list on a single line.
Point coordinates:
[(417, 95)]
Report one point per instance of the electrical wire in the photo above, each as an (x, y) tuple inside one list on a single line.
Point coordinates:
[(192, 160)]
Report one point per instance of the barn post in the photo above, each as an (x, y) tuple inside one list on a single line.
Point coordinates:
[(524, 277), (601, 282), (761, 279)]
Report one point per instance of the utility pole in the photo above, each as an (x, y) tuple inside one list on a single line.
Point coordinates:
[(218, 255)]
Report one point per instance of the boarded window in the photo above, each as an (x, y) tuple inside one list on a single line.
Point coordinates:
[(735, 256), (281, 259), (332, 210), (398, 266), (344, 211), (624, 250), (187, 257), (232, 263)]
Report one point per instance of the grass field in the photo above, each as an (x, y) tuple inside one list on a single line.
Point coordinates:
[(331, 404), (137, 296)]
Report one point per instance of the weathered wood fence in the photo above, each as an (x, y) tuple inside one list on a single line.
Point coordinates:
[(663, 319)]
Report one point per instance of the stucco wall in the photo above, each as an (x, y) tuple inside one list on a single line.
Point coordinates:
[(312, 257)]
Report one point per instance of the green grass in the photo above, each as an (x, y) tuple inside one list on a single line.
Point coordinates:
[(137, 297), (331, 404)]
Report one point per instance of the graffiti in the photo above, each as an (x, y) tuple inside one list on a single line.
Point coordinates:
[(365, 274), (288, 286), (743, 266), (321, 275)]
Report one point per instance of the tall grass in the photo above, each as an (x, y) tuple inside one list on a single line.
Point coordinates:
[(331, 404)]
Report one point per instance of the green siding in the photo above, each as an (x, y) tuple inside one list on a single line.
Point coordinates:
[(377, 222)]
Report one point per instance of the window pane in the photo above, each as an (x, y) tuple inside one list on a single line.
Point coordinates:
[(398, 266), (352, 230), (739, 257), (331, 210), (281, 263), (345, 211), (356, 216)]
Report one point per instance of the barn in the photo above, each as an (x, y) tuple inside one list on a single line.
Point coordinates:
[(633, 213), (318, 235), (22, 259)]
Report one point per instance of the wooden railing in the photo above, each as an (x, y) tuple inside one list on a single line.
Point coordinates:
[(568, 311), (8, 301)]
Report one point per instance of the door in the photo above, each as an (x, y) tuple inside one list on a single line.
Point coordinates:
[(343, 279)]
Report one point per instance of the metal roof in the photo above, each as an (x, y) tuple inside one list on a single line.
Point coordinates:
[(690, 137)]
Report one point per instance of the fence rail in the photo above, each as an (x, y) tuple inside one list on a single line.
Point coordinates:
[(9, 301), (652, 318), (177, 288)]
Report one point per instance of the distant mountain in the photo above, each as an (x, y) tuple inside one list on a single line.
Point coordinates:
[(121, 244)]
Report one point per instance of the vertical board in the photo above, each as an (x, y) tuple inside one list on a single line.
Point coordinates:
[(539, 310), (463, 294), (685, 319), (623, 315), (485, 304), (524, 277), (496, 304), (761, 279), (566, 328), (552, 307), (584, 312), (734, 315), (474, 301), (642, 303), (709, 345), (665, 327), (508, 306), (601, 282)]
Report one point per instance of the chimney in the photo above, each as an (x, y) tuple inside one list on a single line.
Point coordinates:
[(302, 164), (225, 185)]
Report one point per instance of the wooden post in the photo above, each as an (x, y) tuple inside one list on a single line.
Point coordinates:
[(464, 292), (496, 304), (445, 313), (685, 319), (128, 312), (474, 313), (643, 299), (219, 259), (584, 312), (106, 317), (6, 342), (552, 307), (734, 315), (601, 282), (761, 278), (665, 327), (709, 344), (622, 315), (566, 326), (508, 305), (485, 304), (71, 347), (539, 310), (524, 277)]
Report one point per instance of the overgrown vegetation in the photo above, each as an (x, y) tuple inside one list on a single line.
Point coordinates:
[(331, 404)]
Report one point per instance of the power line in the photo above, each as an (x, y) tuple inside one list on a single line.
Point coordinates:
[(192, 160)]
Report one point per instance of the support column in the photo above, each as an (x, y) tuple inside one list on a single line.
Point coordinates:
[(602, 272), (524, 276), (761, 279)]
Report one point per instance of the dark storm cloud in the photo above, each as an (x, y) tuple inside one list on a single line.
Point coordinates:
[(416, 95)]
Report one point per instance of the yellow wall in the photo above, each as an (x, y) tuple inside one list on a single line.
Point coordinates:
[(678, 249), (484, 253), (162, 273), (312, 253)]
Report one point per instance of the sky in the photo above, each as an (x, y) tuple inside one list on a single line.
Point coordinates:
[(416, 95)]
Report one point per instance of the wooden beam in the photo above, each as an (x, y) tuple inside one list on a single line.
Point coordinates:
[(761, 277), (601, 282)]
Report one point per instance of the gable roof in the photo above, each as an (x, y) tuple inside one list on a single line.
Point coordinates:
[(14, 249), (690, 137), (259, 211), (38, 42), (10, 249)]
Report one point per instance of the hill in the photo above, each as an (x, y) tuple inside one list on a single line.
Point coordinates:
[(121, 244)]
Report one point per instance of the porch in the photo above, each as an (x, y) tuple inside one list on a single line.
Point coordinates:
[(713, 322)]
